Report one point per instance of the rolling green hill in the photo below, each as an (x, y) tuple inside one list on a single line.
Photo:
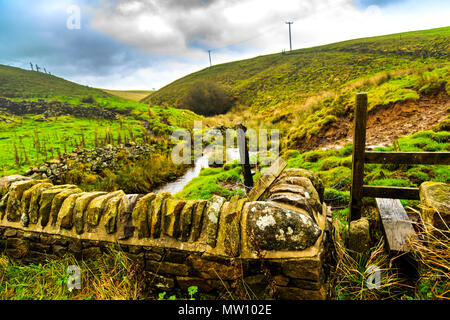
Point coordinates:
[(307, 91), (29, 139), (18, 84), (286, 79)]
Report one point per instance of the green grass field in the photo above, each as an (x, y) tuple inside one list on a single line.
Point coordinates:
[(302, 94), (25, 142)]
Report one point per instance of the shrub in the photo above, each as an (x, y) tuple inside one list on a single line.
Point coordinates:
[(207, 98), (88, 99)]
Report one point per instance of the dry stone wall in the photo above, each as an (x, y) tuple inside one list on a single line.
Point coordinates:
[(210, 244)]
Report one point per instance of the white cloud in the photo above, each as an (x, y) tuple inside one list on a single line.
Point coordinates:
[(184, 30)]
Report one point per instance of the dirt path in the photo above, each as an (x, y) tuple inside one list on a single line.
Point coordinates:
[(387, 124)]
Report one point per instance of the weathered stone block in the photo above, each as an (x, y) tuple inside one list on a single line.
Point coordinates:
[(142, 215), (267, 179), (54, 240), (186, 220), (152, 256), (59, 251), (36, 257), (171, 219), (307, 269), (277, 228), (45, 204), (3, 204), (135, 249), (65, 215), (228, 236), (137, 259), (27, 197), (79, 210), (16, 248), (75, 246), (161, 282), (435, 204), (197, 220), (158, 209), (208, 269), (97, 207), (91, 253), (281, 280), (359, 235), (14, 204), (314, 179), (211, 220), (5, 182), (185, 282), (306, 284), (35, 200), (32, 236), (111, 212), (177, 256), (126, 206), (39, 247), (165, 267), (57, 202), (9, 233)]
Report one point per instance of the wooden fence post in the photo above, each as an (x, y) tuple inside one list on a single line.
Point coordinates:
[(359, 146), (244, 155)]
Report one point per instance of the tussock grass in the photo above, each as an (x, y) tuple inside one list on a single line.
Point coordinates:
[(110, 277), (353, 271), (432, 250)]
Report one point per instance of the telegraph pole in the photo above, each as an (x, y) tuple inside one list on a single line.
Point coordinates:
[(290, 36), (210, 63)]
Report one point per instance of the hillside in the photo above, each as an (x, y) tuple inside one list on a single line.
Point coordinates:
[(289, 78), (133, 95), (43, 116), (310, 91), (18, 84)]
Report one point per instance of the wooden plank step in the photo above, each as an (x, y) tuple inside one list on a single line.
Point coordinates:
[(396, 223)]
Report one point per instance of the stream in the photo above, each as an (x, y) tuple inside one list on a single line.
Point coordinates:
[(200, 163)]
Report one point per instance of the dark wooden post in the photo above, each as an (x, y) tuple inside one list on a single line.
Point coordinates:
[(244, 155), (359, 146)]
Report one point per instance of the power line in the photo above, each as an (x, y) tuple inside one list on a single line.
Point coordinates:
[(256, 36)]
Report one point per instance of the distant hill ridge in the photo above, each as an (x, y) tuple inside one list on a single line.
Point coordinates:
[(286, 79)]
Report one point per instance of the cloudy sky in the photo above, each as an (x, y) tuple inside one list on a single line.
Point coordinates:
[(146, 44)]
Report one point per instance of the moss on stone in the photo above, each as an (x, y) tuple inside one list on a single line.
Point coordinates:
[(158, 210), (97, 207), (81, 205), (14, 204), (65, 215), (142, 214)]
